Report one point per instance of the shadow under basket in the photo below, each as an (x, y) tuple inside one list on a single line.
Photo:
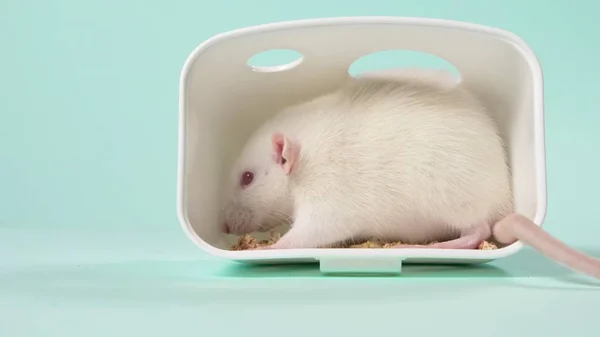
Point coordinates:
[(223, 99)]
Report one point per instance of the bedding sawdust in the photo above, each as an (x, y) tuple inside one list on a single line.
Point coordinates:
[(247, 242)]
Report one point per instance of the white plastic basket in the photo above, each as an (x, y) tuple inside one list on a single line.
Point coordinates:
[(222, 100)]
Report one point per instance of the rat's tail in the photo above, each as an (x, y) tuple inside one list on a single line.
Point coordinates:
[(517, 227)]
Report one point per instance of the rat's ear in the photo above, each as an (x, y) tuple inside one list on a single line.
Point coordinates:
[(286, 152)]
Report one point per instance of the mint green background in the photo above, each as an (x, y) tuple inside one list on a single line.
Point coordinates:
[(89, 240)]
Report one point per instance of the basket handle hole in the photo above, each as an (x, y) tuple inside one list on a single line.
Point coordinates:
[(386, 60), (275, 60)]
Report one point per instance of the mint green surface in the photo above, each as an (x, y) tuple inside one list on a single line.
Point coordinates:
[(89, 240)]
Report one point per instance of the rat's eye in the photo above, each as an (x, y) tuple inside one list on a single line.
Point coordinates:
[(247, 178)]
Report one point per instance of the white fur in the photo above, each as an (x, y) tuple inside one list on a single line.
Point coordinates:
[(394, 158)]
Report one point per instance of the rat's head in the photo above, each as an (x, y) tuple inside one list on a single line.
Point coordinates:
[(258, 196)]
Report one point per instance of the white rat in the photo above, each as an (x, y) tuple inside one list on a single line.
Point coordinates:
[(403, 158)]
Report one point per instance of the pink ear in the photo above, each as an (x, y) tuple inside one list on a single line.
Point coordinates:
[(286, 152)]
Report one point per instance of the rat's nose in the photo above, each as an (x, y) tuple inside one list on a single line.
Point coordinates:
[(225, 228)]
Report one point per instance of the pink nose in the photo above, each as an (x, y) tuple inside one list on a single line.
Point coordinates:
[(225, 228)]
